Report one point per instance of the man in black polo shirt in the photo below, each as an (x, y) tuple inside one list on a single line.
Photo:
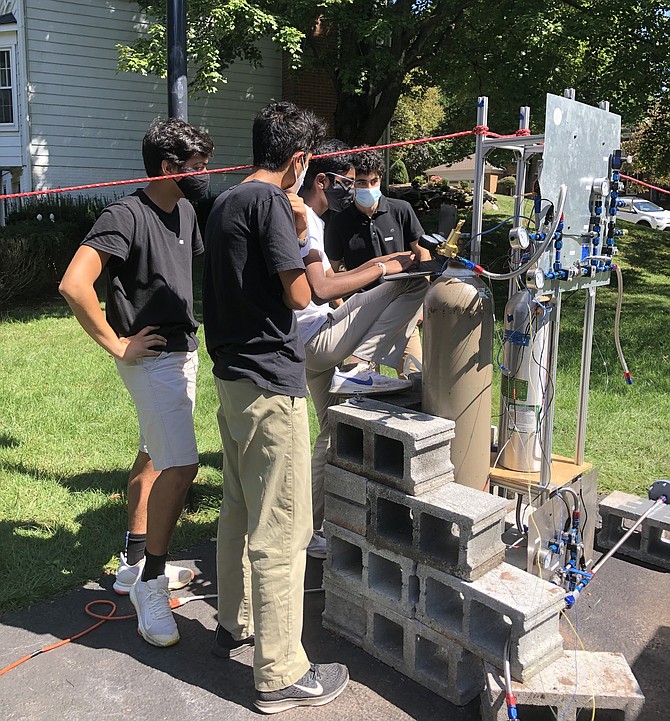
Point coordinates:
[(373, 226)]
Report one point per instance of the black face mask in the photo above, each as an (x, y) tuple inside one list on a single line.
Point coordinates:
[(194, 187), (338, 196)]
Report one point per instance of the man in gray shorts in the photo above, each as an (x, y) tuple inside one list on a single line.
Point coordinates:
[(147, 241)]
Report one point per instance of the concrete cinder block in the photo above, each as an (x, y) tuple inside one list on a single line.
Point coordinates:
[(346, 502), (345, 558), (505, 603), (344, 613), (346, 485), (568, 689), (442, 602), (455, 528), (388, 637), (345, 514), (376, 574), (391, 580), (650, 543), (404, 449), (429, 659), (445, 667)]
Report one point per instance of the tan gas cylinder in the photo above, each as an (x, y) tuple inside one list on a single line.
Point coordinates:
[(458, 368)]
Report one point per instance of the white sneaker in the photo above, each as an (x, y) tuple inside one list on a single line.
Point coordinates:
[(155, 621), (127, 576), (317, 546), (364, 381)]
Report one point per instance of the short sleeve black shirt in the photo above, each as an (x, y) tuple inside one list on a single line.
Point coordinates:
[(249, 331), (149, 273), (356, 238)]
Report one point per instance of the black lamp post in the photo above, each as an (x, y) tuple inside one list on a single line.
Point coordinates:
[(176, 59)]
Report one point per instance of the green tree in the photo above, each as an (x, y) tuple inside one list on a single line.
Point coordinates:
[(514, 52), (419, 114), (368, 47), (398, 172), (524, 50), (649, 146)]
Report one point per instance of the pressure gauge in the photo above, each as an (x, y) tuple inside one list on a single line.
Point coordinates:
[(535, 279), (601, 186), (519, 238)]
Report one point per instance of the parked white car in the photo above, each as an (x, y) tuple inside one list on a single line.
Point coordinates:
[(643, 212)]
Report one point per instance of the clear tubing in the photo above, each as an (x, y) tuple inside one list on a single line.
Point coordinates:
[(617, 313), (560, 203), (617, 318)]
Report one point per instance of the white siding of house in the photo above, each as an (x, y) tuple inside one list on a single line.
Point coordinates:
[(13, 137), (87, 120)]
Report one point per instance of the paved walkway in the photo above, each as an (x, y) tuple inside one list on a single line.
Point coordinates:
[(112, 674)]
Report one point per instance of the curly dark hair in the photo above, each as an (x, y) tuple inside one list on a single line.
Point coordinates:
[(174, 140), (339, 164), (369, 161)]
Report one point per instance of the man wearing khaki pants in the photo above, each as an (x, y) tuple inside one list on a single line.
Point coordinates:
[(254, 278)]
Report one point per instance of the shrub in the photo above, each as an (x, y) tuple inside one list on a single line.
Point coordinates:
[(35, 253), (419, 180), (506, 185), (440, 184), (33, 258), (398, 173), (81, 211)]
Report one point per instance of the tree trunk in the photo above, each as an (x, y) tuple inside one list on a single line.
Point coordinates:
[(362, 119)]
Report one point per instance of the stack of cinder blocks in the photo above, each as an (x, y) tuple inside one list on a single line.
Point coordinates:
[(649, 543), (415, 572)]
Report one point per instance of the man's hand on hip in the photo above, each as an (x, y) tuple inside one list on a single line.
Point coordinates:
[(139, 345)]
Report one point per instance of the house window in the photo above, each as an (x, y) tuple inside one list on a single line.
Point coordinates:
[(6, 88)]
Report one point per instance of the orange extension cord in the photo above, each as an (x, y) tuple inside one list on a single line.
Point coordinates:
[(88, 608)]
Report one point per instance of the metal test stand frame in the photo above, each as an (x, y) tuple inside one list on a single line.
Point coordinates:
[(576, 149)]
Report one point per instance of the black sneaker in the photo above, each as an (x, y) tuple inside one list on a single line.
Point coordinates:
[(321, 684), (225, 646)]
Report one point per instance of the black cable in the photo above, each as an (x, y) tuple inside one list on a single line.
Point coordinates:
[(586, 513), (557, 492), (568, 522), (519, 501)]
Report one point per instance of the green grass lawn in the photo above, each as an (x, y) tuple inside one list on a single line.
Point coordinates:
[(68, 431)]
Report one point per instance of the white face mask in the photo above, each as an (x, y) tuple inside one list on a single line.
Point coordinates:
[(301, 178)]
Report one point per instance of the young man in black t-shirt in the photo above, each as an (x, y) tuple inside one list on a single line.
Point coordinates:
[(253, 280), (146, 241)]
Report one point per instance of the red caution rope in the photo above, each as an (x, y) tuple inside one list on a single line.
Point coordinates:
[(477, 130), (646, 185), (134, 181)]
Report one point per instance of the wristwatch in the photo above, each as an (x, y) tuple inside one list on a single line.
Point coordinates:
[(383, 267)]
